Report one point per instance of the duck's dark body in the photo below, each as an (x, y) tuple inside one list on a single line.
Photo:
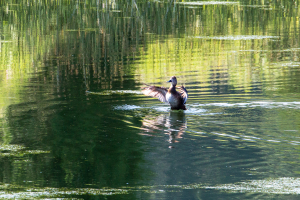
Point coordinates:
[(176, 99)]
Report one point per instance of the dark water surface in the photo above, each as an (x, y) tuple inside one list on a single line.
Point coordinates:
[(74, 123)]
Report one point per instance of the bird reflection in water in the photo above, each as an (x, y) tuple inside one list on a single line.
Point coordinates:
[(173, 124)]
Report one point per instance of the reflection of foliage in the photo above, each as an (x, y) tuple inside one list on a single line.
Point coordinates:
[(109, 35), (243, 41), (63, 49), (98, 58), (86, 145)]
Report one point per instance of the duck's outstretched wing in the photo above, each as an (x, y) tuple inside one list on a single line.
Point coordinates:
[(154, 91), (183, 93)]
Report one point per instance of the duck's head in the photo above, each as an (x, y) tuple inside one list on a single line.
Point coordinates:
[(173, 80)]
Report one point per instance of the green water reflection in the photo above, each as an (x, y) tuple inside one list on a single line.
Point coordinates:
[(75, 125)]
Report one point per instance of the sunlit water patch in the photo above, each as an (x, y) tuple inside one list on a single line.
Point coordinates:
[(11, 147), (202, 3), (287, 64), (262, 7), (29, 193), (18, 150), (286, 185), (237, 37)]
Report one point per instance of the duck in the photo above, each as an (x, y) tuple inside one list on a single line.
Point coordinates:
[(176, 99)]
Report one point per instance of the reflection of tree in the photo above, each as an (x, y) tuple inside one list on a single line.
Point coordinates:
[(97, 41), (173, 124)]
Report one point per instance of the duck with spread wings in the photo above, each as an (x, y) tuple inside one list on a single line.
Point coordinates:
[(176, 99)]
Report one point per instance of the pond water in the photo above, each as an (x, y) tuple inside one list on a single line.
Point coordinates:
[(74, 123)]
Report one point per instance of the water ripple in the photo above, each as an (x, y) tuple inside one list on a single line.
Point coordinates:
[(264, 104)]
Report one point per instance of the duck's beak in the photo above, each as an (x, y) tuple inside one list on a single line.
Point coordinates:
[(169, 81)]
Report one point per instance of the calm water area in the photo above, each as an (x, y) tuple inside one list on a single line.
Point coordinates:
[(74, 123)]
